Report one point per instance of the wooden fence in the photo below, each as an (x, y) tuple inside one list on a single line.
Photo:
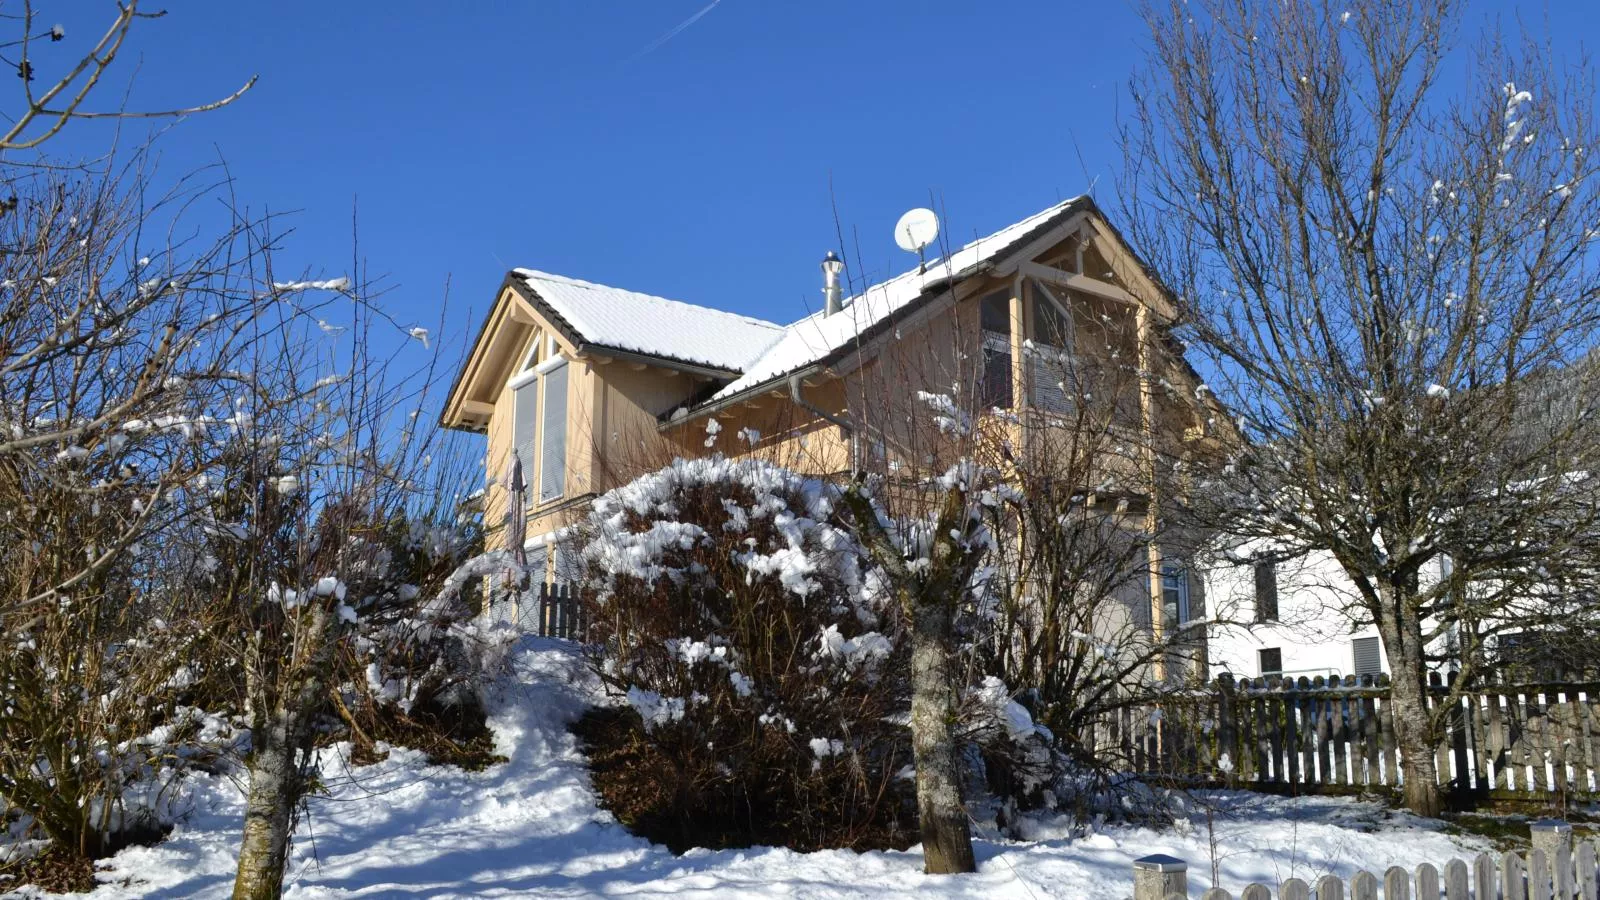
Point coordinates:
[(552, 610), (1337, 736), (1552, 870)]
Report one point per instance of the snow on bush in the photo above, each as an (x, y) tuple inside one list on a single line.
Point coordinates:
[(730, 608)]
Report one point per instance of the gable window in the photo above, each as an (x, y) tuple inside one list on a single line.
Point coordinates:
[(1175, 591), (1367, 656), (1271, 660), (553, 445), (994, 316), (1266, 592), (1051, 364)]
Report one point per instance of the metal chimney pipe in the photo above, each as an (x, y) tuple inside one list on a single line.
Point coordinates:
[(832, 265)]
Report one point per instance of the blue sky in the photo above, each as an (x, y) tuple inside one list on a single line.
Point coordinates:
[(565, 136)]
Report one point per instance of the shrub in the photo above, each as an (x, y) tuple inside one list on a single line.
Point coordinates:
[(763, 675)]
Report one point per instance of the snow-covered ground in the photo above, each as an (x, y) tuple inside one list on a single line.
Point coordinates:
[(530, 827)]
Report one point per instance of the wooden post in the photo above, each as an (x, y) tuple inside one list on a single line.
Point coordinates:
[(1228, 733), (1364, 886), (1496, 741), (1485, 878), (1159, 877), (1152, 515), (1457, 886), (1553, 839), (1512, 886), (1588, 888), (1396, 884), (1329, 887), (1294, 889), (1427, 882), (1391, 772), (1538, 875)]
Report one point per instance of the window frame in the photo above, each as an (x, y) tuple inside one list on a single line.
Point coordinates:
[(1175, 576), (1037, 290), (993, 344), (527, 374), (544, 370), (1261, 665)]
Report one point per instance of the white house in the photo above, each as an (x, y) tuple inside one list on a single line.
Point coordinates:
[(1300, 617)]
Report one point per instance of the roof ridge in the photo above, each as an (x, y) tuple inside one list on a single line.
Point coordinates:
[(525, 272)]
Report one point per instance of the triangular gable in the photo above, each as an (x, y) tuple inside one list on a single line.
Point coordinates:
[(500, 345)]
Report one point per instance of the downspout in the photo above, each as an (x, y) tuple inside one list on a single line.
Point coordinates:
[(844, 426)]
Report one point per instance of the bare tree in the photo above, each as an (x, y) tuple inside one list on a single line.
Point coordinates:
[(48, 107), (117, 359), (322, 469), (1390, 278)]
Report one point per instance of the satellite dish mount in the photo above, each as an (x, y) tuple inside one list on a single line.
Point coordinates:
[(915, 231)]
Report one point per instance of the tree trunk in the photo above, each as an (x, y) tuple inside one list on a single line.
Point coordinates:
[(1421, 789), (1413, 729), (946, 839), (268, 818), (277, 783)]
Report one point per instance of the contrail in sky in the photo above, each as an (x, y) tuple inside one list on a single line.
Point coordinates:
[(677, 30)]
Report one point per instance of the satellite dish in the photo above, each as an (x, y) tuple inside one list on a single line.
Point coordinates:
[(916, 230)]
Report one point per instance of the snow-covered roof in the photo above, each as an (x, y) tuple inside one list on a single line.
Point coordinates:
[(817, 336), (653, 326)]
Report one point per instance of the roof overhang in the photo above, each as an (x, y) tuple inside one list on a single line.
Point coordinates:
[(471, 398)]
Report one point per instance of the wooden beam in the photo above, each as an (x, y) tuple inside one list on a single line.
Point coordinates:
[(1076, 282), (477, 408), (1019, 366), (1152, 516)]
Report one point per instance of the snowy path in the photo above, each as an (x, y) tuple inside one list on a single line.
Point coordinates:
[(530, 827)]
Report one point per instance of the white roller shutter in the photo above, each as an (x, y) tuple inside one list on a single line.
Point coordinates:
[(553, 457), (1368, 655), (524, 426)]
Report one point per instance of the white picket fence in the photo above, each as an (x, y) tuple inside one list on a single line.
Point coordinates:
[(1553, 870)]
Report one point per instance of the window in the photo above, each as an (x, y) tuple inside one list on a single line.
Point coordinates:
[(525, 415), (1367, 656), (1050, 363), (994, 316), (553, 450), (1175, 591), (524, 428), (1266, 592), (1271, 660)]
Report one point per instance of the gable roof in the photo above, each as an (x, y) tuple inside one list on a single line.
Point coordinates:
[(652, 326), (753, 352), (820, 338)]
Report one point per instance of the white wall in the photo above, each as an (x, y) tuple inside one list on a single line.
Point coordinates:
[(1315, 627)]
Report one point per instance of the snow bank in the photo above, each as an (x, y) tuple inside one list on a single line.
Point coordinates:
[(530, 828)]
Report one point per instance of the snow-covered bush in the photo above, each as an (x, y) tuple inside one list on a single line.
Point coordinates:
[(760, 668)]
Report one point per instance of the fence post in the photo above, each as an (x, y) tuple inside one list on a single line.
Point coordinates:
[(1159, 876), (1554, 837)]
